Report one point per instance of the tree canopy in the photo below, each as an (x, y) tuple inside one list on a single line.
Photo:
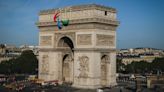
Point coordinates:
[(141, 67), (26, 63)]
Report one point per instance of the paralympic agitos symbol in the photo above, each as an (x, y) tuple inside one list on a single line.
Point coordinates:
[(60, 23)]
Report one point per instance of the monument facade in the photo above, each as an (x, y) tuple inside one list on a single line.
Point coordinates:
[(84, 51)]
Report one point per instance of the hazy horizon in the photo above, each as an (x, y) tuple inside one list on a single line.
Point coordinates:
[(141, 21)]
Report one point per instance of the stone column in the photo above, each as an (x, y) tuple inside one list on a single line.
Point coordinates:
[(86, 69), (52, 66), (111, 75)]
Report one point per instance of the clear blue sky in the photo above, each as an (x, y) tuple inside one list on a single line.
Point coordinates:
[(141, 21)]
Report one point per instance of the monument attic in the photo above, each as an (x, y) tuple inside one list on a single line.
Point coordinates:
[(83, 50)]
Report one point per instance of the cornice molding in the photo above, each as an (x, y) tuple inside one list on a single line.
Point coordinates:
[(79, 27), (82, 21), (78, 49)]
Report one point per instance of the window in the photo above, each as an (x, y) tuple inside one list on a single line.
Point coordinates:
[(105, 13)]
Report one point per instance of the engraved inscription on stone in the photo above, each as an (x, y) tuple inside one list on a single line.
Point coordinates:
[(45, 64), (105, 40), (45, 40), (84, 66), (84, 39)]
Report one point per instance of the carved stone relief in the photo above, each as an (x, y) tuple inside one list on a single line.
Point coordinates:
[(105, 40), (45, 40), (45, 64), (84, 39), (84, 66)]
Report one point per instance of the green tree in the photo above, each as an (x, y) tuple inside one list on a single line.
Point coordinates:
[(138, 67), (145, 67), (120, 66), (26, 63), (158, 64)]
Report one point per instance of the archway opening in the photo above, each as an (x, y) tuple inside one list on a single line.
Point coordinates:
[(104, 60), (66, 42), (67, 68), (67, 58)]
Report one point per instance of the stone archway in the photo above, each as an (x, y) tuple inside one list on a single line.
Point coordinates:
[(66, 44), (104, 60), (67, 68), (75, 52)]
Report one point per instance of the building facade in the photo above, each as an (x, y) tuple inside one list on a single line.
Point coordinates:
[(83, 52), (139, 54)]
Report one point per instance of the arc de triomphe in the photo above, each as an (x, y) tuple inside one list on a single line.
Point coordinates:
[(83, 51)]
